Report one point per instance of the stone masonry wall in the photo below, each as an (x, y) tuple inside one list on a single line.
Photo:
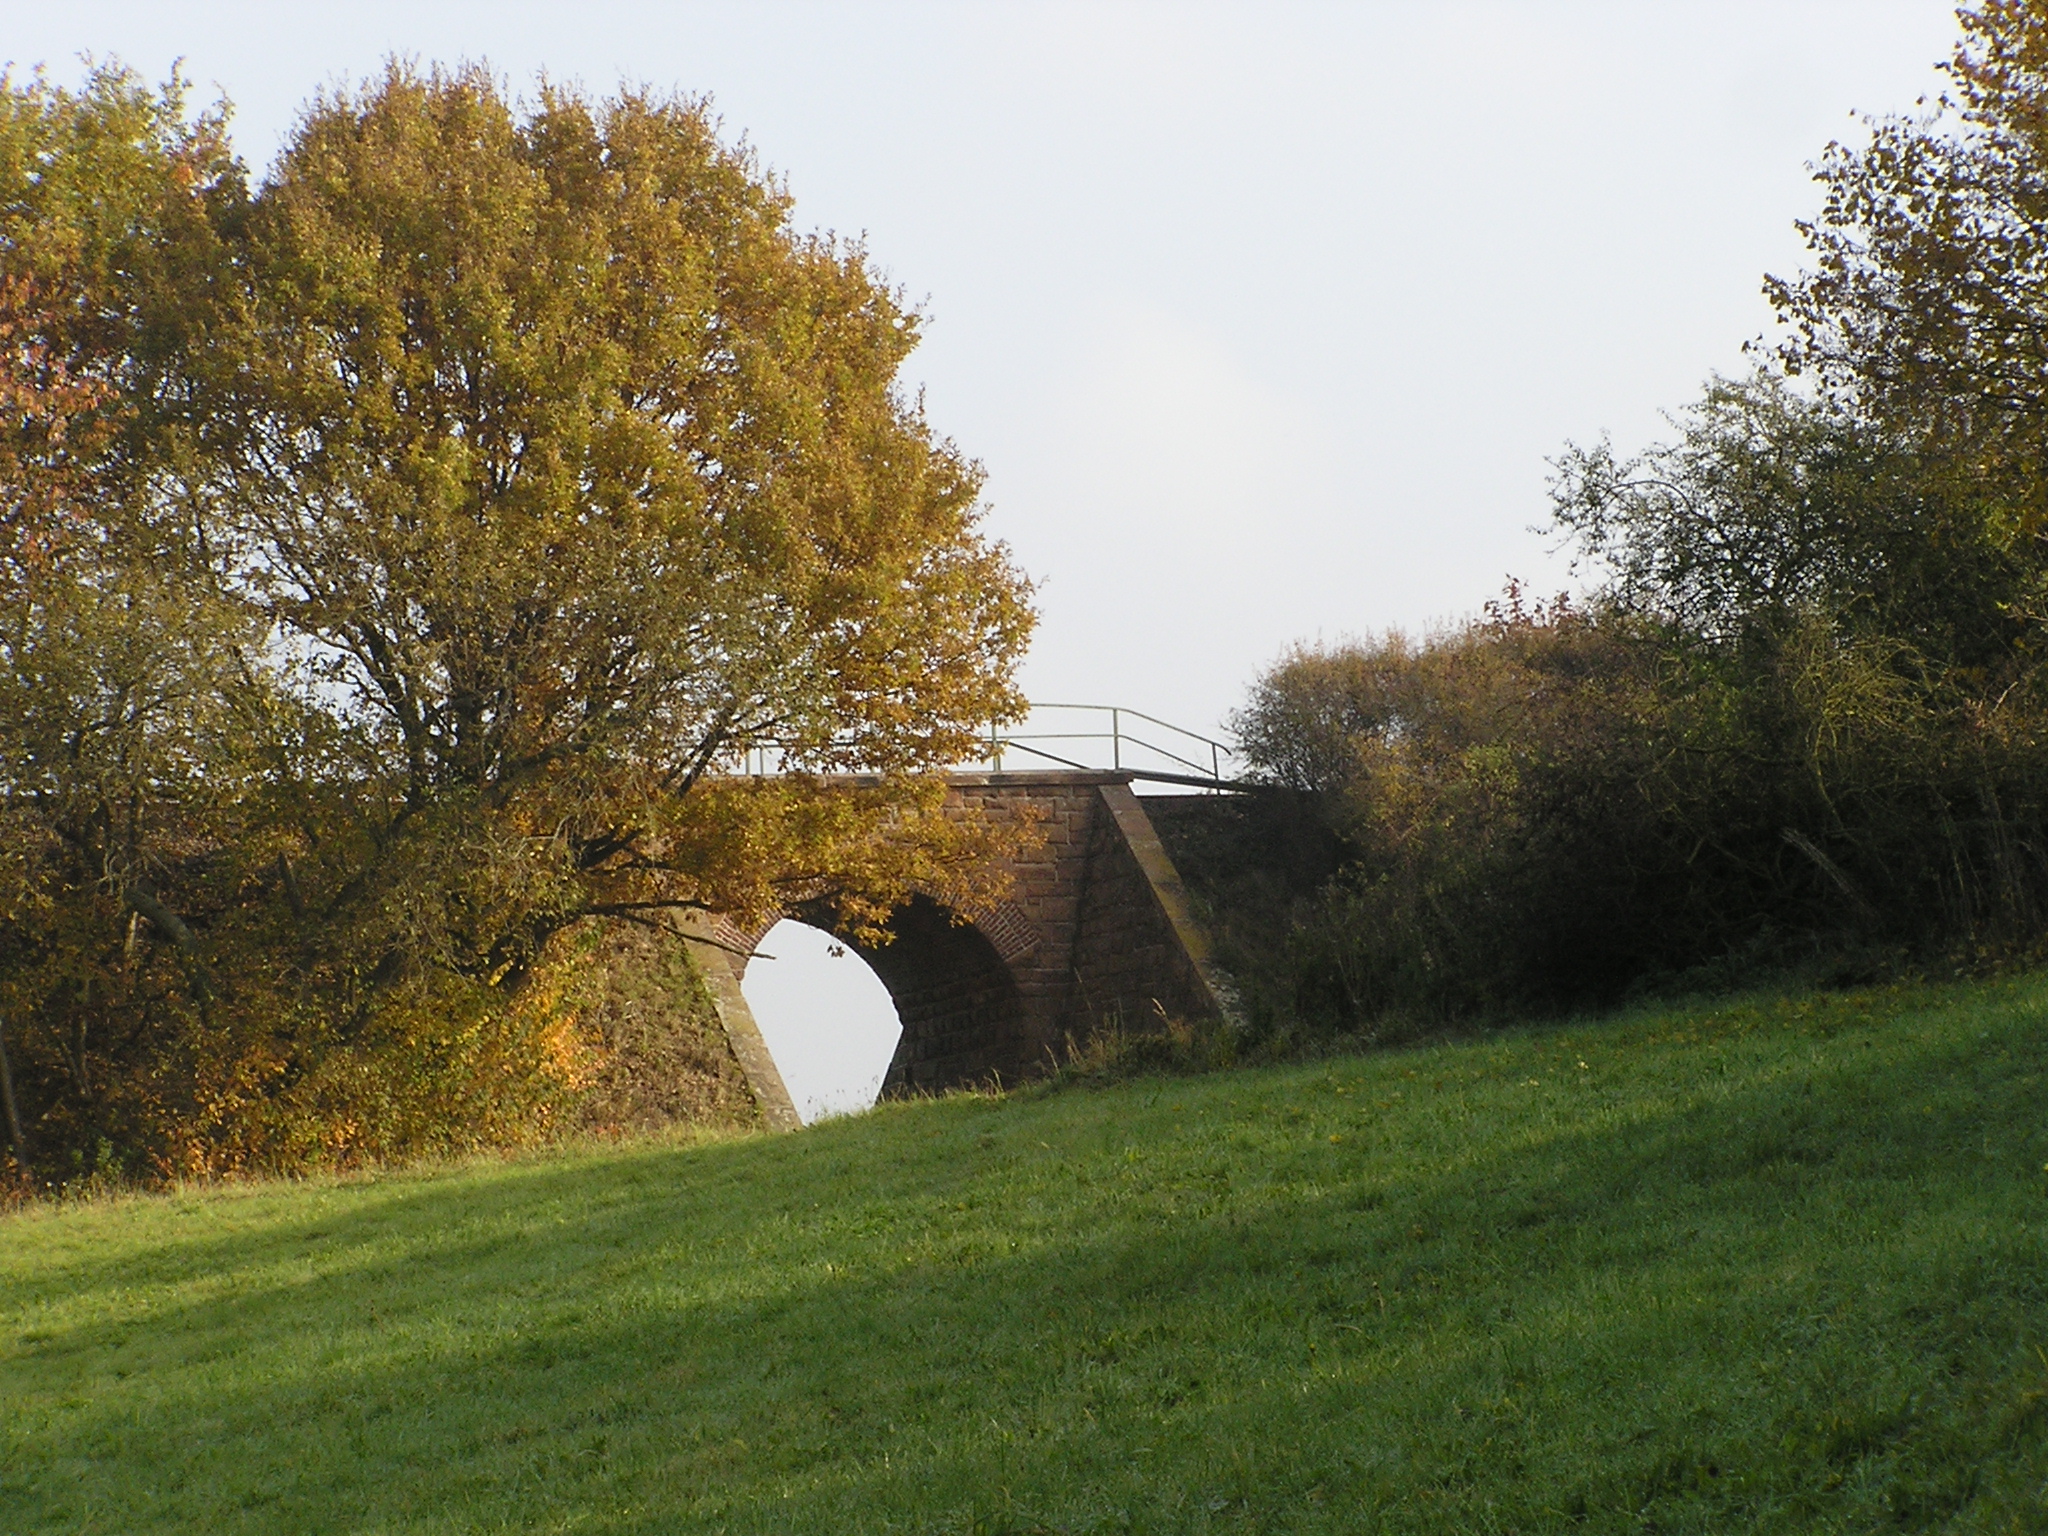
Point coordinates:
[(961, 1008), (1095, 930), (1035, 926), (1123, 956)]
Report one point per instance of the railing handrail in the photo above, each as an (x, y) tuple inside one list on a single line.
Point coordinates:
[(1209, 775), (1017, 740), (1122, 709)]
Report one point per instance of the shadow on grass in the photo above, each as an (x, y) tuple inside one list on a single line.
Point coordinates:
[(1801, 1292)]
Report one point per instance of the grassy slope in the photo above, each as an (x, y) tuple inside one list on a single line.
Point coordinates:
[(1768, 1266)]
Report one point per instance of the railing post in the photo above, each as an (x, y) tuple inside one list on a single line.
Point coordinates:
[(1116, 738)]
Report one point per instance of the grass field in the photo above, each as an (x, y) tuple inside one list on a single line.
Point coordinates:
[(1768, 1265)]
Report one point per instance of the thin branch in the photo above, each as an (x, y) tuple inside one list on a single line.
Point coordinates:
[(173, 927), (634, 912)]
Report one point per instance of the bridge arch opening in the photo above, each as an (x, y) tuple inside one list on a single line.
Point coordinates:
[(848, 1022), (827, 1018)]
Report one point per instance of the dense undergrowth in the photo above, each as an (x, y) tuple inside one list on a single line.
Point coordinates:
[(1776, 1263)]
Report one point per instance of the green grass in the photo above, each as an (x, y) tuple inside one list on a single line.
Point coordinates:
[(1773, 1265)]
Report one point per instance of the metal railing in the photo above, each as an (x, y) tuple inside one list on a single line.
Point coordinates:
[(1088, 737), (1134, 742)]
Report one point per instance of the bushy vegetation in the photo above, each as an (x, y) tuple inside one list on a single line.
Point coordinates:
[(1802, 716), (1765, 1265), (397, 556)]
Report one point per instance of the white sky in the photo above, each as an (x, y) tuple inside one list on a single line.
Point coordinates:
[(826, 1017), (1264, 318)]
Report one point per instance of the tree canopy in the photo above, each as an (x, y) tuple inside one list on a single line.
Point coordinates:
[(405, 551), (1927, 301)]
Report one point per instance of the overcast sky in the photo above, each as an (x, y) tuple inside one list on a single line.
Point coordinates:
[(1263, 318)]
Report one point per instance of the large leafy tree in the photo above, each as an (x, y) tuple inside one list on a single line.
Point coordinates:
[(1803, 713), (573, 473), (1778, 506), (405, 557)]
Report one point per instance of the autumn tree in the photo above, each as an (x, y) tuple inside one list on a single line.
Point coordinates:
[(46, 434), (1927, 303), (1925, 318), (472, 497), (114, 746), (571, 472)]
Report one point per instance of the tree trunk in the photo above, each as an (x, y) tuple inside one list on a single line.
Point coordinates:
[(14, 1129)]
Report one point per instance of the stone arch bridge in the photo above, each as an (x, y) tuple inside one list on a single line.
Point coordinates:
[(1096, 929)]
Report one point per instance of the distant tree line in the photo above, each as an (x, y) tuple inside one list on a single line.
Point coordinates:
[(1803, 715), (393, 552)]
